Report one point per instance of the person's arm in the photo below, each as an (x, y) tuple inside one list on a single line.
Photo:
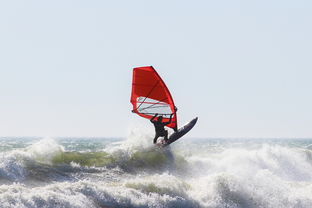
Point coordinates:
[(170, 119), (152, 119)]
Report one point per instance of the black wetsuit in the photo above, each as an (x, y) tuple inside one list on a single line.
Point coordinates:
[(160, 129)]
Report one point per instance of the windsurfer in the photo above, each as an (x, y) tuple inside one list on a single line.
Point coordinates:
[(160, 127)]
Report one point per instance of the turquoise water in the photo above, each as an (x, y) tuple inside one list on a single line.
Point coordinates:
[(131, 172)]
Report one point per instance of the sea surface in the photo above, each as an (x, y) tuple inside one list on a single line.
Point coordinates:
[(131, 172)]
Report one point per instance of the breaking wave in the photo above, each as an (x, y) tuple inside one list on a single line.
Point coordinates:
[(133, 173)]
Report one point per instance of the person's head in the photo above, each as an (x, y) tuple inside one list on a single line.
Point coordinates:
[(160, 118)]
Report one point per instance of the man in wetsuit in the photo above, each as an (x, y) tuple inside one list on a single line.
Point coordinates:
[(160, 127)]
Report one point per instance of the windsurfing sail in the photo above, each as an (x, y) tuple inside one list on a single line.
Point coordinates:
[(150, 95)]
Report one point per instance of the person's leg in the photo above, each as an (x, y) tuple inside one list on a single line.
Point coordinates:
[(166, 136), (155, 138)]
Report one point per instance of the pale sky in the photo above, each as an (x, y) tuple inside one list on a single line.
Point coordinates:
[(243, 67)]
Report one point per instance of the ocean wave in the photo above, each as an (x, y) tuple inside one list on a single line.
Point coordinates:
[(46, 160), (124, 174)]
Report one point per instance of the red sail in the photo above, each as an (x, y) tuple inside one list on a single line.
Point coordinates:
[(150, 95)]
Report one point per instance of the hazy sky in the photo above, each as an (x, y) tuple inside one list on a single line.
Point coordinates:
[(243, 67)]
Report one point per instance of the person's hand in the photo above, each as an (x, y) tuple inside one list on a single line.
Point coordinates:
[(175, 109)]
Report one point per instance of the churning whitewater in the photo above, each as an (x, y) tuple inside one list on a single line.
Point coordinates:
[(102, 172)]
